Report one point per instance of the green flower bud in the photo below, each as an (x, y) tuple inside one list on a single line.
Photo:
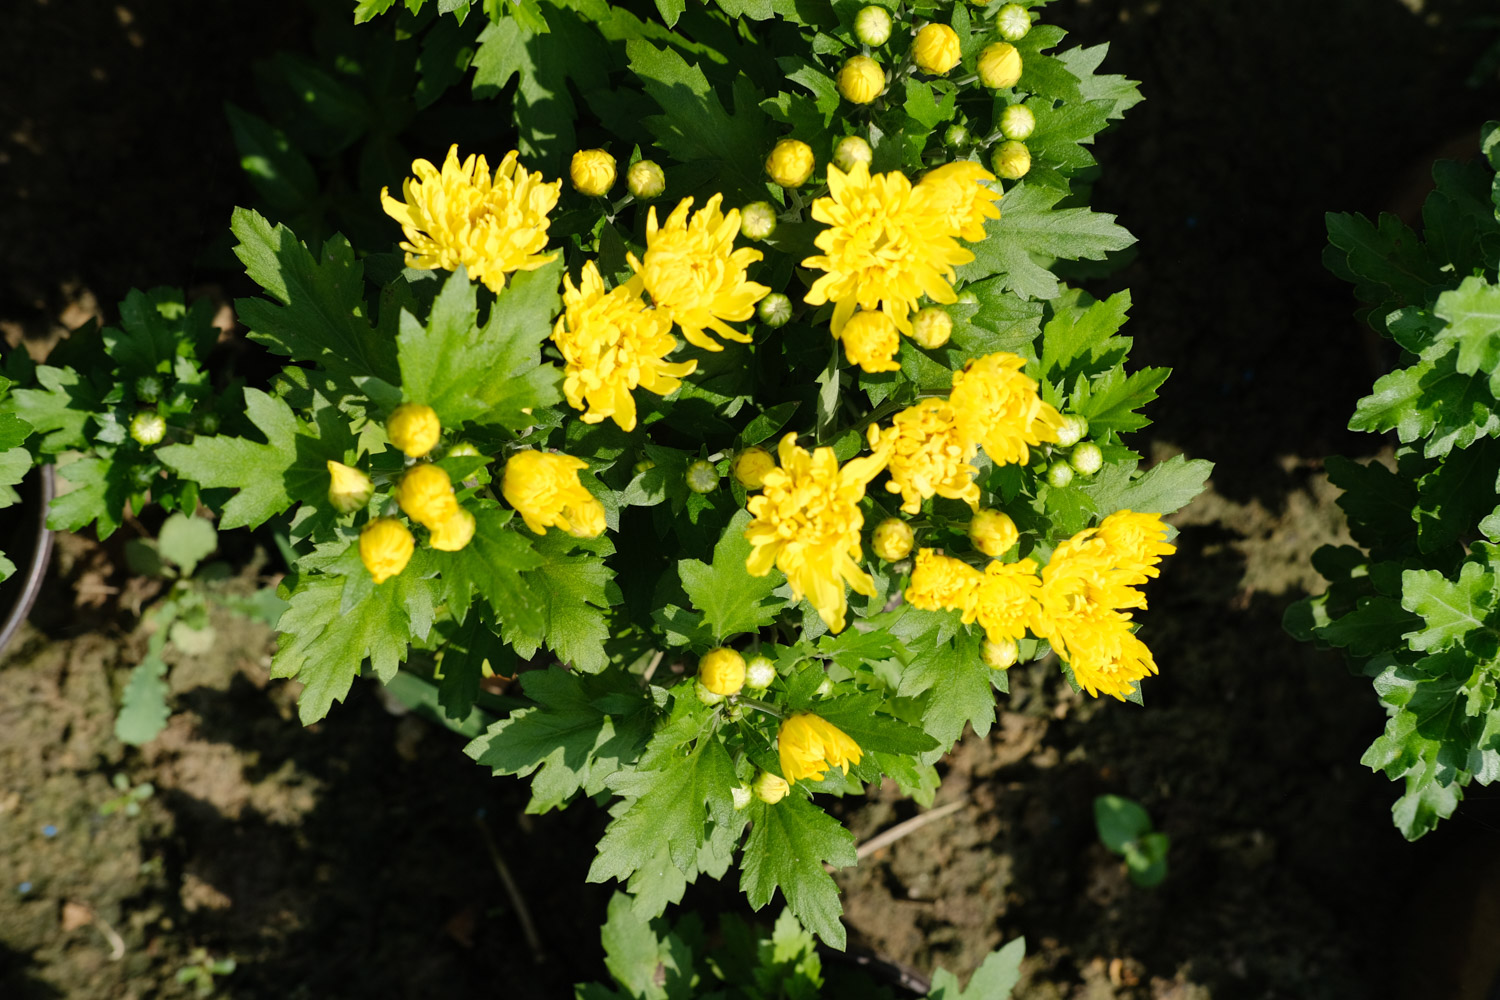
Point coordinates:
[(1059, 474), (463, 450), (1073, 430), (956, 135), (1011, 160), (999, 655), (645, 180), (849, 150), (1013, 22), (872, 26), (760, 671), (967, 298), (148, 388), (757, 220), (705, 695), (1086, 459), (774, 310), (208, 423), (702, 477), (147, 427), (1017, 122)]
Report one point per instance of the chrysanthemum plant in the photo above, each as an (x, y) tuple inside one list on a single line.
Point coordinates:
[(759, 446), (1416, 606), (15, 462)]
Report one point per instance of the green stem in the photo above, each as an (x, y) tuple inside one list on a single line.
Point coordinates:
[(761, 706)]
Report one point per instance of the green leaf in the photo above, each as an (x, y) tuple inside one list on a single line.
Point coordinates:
[(465, 373), (695, 126), (573, 593), (924, 108), (1119, 821), (322, 317), (187, 541), (470, 646), (1164, 488), (323, 643), (1081, 61), (491, 566), (1112, 399), (666, 796), (58, 410), (1377, 624), (956, 684), (14, 464), (646, 966), (1449, 608), (875, 731), (1086, 334), (1387, 263), (1473, 314), (788, 845), (568, 740), (97, 495), (1377, 502), (143, 703), (732, 601), (995, 978), (264, 474), (279, 171), (1030, 226)]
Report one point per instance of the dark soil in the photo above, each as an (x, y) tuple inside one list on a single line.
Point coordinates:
[(346, 860)]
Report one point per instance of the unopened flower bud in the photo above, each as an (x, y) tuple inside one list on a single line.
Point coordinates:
[(936, 49), (702, 477), (872, 26), (1011, 160), (871, 341), (1086, 459), (999, 655), (757, 220), (956, 135), (1017, 122), (592, 172), (148, 388), (645, 180), (644, 465), (722, 671), (385, 547), (861, 80), (147, 428), (426, 495), (706, 696), (1013, 22), (760, 671), (751, 465), (348, 488), (453, 532), (774, 310), (992, 532), (414, 429), (769, 788), (1073, 430), (463, 450), (849, 150), (893, 539), (931, 327), (1059, 474), (999, 65), (742, 796), (791, 163)]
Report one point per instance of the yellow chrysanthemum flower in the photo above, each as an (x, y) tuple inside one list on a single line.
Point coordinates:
[(494, 226), (426, 495), (992, 532), (807, 524), (544, 489), (592, 172), (999, 407), (722, 671), (809, 745), (385, 547), (453, 532), (751, 466), (1008, 599), (871, 341), (928, 456), (1079, 611), (958, 193), (695, 275), (936, 49), (1136, 542), (612, 342), (414, 428), (884, 247), (942, 583), (892, 540)]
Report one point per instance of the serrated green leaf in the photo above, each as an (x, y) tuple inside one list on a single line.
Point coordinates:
[(59, 409), (1450, 608), (1376, 624), (1029, 224), (1163, 489), (187, 541), (97, 495), (788, 845), (279, 171), (732, 601), (491, 566), (143, 703), (955, 684), (1074, 334), (1472, 311), (322, 315), (572, 593), (995, 978)]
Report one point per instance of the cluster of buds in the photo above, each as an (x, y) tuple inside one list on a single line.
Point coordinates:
[(723, 673), (1072, 455), (593, 173)]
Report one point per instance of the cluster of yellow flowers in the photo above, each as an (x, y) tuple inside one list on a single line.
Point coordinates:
[(992, 404), (1080, 602), (887, 244)]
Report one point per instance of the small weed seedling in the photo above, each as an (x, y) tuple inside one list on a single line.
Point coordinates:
[(1125, 828)]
